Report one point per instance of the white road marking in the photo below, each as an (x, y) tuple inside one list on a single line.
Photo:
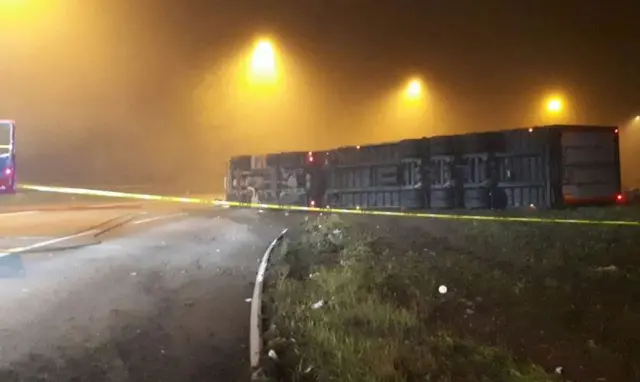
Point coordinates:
[(15, 250), (149, 220), (3, 214), (45, 243)]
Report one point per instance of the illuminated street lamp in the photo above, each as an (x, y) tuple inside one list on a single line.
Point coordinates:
[(553, 108), (264, 61), (406, 111), (414, 89), (554, 105)]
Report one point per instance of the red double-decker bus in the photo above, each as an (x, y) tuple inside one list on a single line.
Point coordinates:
[(7, 156)]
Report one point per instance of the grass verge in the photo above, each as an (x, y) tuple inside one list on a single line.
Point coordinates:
[(359, 299)]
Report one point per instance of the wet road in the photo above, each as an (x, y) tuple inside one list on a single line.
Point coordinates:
[(144, 293)]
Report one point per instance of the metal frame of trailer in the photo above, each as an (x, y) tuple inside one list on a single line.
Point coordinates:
[(543, 167)]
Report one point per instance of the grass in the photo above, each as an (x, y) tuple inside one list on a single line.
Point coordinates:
[(524, 302), (507, 315), (574, 298)]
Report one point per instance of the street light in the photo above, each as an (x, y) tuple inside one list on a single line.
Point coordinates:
[(264, 61), (554, 105), (405, 112), (414, 89)]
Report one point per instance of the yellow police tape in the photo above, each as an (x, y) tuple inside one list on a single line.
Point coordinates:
[(214, 202)]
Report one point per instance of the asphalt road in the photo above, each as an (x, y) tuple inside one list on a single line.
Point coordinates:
[(143, 293)]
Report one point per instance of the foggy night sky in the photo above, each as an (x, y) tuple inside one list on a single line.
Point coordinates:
[(110, 92)]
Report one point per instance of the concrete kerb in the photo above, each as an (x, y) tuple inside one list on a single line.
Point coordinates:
[(255, 335)]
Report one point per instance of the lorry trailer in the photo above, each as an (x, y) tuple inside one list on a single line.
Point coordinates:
[(541, 167)]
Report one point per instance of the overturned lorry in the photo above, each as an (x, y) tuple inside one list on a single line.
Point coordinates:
[(542, 167)]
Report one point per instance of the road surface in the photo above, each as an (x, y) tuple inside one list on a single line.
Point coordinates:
[(146, 293)]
